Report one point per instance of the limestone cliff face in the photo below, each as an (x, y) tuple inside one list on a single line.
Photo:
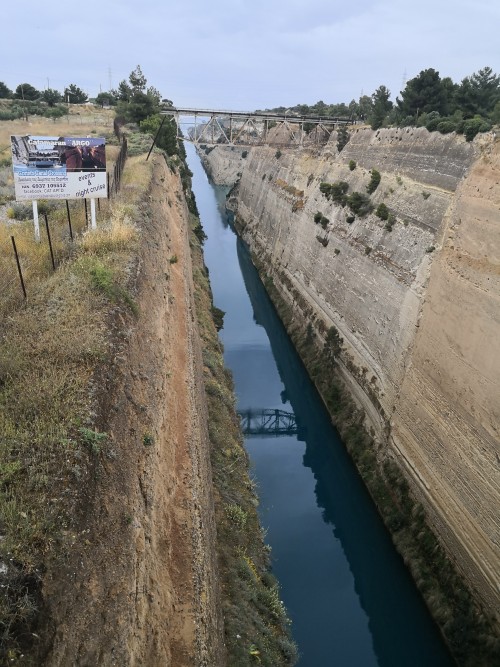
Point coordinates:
[(418, 306), (225, 166)]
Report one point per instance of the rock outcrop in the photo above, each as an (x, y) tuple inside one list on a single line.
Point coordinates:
[(416, 299)]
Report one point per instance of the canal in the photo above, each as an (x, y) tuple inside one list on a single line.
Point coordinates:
[(347, 591)]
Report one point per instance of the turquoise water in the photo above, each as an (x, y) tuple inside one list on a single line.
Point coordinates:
[(350, 598)]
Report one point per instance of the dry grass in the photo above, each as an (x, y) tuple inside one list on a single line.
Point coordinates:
[(51, 346), (136, 178)]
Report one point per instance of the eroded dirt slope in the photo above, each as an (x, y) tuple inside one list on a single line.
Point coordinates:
[(142, 568)]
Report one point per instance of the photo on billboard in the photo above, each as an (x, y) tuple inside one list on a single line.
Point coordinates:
[(59, 167)]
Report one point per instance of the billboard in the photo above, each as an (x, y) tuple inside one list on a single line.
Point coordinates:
[(59, 167)]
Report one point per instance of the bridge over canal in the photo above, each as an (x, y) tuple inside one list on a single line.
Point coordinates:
[(243, 128)]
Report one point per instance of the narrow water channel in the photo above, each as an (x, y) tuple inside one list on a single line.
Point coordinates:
[(350, 598)]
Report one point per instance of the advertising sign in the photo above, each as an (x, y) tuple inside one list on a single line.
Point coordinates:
[(59, 167)]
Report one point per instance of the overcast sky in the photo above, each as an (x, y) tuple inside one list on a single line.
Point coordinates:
[(246, 54)]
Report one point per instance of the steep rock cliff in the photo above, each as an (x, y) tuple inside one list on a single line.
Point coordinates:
[(416, 302)]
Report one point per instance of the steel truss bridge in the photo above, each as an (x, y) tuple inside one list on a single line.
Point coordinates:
[(242, 128), (265, 422)]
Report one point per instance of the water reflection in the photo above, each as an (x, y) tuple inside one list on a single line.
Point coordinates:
[(269, 423)]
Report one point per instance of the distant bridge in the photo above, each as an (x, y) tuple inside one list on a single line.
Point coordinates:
[(267, 422), (243, 128)]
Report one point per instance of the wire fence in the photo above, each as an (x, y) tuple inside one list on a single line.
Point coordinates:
[(24, 261), (114, 182)]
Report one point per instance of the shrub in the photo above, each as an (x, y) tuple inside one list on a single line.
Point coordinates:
[(335, 191), (218, 317), (446, 126), (475, 125), (359, 204), (382, 211), (343, 137), (320, 219), (350, 219), (244, 154), (352, 165), (367, 250), (24, 211), (278, 154), (374, 181), (432, 121), (425, 194)]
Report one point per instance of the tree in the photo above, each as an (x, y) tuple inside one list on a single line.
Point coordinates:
[(155, 94), (51, 96), (353, 109), (320, 108), (75, 95), (106, 99), (137, 80), (137, 103), (26, 91), (423, 94), (478, 93), (5, 93), (495, 114), (380, 107), (123, 92), (140, 106), (56, 112), (167, 139), (365, 106), (450, 89)]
